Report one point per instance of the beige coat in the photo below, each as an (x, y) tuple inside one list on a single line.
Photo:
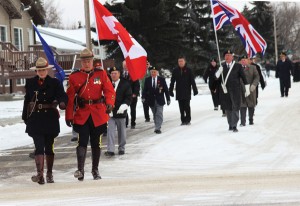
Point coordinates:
[(252, 77)]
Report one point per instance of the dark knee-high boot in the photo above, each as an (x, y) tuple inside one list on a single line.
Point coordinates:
[(95, 162), (81, 154), (39, 177), (49, 162)]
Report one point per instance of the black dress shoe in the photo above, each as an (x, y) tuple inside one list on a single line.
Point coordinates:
[(242, 125), (74, 139), (157, 131), (121, 152), (234, 129), (147, 120), (230, 128), (132, 127), (251, 123), (109, 154)]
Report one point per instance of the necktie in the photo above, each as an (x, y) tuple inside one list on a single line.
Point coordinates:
[(153, 85), (114, 85)]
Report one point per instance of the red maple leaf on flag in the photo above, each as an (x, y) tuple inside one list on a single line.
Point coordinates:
[(109, 28)]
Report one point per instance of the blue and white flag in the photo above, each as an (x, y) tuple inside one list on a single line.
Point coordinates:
[(60, 73)]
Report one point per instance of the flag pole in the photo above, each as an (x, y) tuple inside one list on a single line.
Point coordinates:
[(216, 36), (100, 50)]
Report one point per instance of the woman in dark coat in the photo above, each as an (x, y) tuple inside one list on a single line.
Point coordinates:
[(214, 84), (43, 94)]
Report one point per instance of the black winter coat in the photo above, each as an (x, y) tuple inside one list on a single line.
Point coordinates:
[(43, 121), (184, 79), (123, 96), (284, 71), (150, 94), (232, 99), (210, 75)]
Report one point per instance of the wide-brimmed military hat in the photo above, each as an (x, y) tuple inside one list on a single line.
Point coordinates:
[(41, 64), (86, 54), (227, 52)]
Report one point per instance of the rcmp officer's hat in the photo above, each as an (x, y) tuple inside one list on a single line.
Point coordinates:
[(227, 52), (41, 64), (86, 54)]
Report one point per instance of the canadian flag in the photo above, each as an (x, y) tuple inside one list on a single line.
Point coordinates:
[(109, 28)]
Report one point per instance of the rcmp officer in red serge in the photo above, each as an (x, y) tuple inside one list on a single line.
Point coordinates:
[(86, 88), (43, 94)]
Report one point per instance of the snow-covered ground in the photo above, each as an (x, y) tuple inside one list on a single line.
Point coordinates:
[(261, 154)]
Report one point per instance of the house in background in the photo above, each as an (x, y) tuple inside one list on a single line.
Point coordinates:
[(16, 34), (20, 47)]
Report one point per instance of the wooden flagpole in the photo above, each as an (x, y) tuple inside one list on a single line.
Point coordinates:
[(97, 32), (216, 36)]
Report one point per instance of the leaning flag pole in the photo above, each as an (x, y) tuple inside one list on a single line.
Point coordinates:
[(97, 32), (217, 41), (60, 73), (216, 36)]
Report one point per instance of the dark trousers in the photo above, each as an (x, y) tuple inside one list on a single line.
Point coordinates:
[(215, 98), (185, 110), (88, 132), (284, 90), (243, 112), (44, 144), (232, 118), (132, 112), (146, 110)]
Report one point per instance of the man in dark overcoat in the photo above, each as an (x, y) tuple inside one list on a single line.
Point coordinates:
[(230, 73), (154, 93), (43, 94), (118, 117), (185, 80), (284, 71), (135, 88)]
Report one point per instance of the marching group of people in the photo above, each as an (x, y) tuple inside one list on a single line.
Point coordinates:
[(97, 102)]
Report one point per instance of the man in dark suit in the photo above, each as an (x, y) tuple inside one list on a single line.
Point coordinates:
[(154, 93), (284, 71), (231, 75), (119, 113), (184, 79), (135, 88)]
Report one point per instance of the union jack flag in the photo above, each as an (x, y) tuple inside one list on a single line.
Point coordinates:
[(224, 14)]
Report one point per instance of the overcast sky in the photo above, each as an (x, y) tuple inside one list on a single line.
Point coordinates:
[(73, 10)]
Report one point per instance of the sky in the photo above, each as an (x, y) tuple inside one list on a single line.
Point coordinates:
[(73, 10)]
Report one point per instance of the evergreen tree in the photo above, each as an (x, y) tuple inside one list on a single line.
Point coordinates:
[(156, 25)]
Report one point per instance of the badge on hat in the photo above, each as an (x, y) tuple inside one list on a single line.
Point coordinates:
[(227, 52)]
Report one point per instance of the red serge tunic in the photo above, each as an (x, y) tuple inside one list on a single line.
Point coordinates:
[(98, 85)]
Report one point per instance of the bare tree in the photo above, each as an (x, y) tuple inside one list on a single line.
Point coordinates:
[(288, 26), (53, 14)]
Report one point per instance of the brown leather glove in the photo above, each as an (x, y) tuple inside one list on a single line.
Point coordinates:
[(109, 108)]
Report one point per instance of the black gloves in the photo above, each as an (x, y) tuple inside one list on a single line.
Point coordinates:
[(69, 123), (109, 108)]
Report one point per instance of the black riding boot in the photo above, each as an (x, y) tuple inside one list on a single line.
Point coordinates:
[(95, 162), (81, 154)]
